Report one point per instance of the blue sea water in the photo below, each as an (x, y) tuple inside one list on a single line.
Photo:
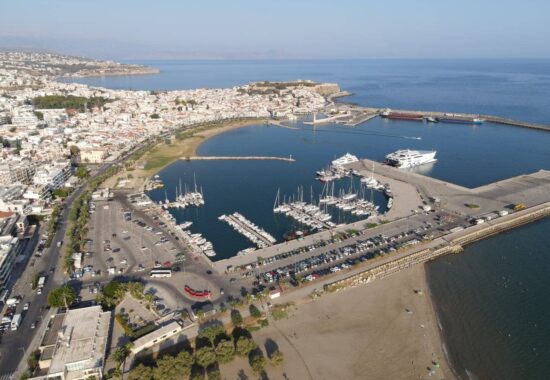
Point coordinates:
[(492, 299)]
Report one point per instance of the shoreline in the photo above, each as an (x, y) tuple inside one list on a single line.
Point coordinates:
[(392, 332), (166, 154)]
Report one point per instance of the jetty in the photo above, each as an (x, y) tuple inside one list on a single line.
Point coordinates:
[(325, 120), (466, 215), (251, 231), (361, 118), (236, 158), (487, 118)]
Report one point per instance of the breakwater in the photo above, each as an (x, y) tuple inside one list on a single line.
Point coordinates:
[(268, 158), (451, 244), (488, 118)]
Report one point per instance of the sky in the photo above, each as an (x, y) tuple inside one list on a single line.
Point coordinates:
[(177, 29)]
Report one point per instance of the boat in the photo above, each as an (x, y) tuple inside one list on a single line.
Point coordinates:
[(460, 120), (431, 119), (344, 160), (407, 158), (185, 225), (388, 114)]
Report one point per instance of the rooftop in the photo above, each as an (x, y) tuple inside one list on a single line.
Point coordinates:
[(81, 341)]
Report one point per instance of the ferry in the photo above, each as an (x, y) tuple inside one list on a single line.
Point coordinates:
[(410, 158), (344, 160)]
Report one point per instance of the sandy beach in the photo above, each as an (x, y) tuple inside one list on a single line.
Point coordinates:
[(164, 154), (360, 333)]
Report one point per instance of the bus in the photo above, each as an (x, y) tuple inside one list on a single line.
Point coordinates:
[(161, 273)]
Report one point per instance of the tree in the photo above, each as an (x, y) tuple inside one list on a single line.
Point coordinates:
[(81, 172), (184, 358), (61, 297), (141, 372), (254, 311), (236, 317), (257, 361), (197, 373), (244, 346), (32, 360), (120, 354), (60, 193), (213, 373), (205, 356), (170, 368), (225, 351), (277, 358), (211, 331)]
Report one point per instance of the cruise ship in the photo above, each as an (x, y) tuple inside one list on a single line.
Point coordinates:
[(345, 159), (409, 158)]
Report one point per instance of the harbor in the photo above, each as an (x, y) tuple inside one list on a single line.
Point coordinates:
[(416, 195), (354, 115)]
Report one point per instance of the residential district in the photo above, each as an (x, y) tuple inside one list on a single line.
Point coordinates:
[(54, 135), (99, 281)]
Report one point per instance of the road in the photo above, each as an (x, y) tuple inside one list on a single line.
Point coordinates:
[(15, 346)]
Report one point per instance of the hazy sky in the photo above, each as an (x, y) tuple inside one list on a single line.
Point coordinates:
[(280, 28)]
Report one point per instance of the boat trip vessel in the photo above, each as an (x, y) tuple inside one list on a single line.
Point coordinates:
[(407, 158)]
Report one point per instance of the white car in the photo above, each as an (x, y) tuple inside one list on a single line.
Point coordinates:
[(26, 306)]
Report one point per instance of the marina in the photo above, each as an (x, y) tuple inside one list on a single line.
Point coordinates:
[(251, 231), (498, 272)]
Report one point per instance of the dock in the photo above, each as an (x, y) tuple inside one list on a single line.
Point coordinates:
[(325, 120), (488, 118), (249, 230), (412, 193), (360, 119), (237, 158)]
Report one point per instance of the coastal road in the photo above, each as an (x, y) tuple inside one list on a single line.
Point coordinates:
[(15, 346)]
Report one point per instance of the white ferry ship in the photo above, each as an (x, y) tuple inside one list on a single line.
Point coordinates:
[(407, 158), (345, 159)]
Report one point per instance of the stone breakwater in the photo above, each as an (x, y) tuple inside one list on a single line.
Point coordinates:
[(447, 246)]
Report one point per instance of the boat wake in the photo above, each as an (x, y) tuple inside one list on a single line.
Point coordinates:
[(367, 134)]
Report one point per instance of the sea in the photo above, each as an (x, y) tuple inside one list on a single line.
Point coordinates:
[(491, 300)]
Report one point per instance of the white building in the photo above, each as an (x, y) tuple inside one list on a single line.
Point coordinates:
[(93, 155), (53, 175), (16, 171), (74, 347)]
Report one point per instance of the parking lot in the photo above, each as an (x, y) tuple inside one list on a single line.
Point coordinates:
[(119, 243), (325, 257)]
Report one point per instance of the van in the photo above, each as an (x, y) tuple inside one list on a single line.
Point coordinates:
[(15, 322)]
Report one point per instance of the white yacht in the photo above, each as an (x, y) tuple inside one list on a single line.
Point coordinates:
[(407, 158), (345, 159)]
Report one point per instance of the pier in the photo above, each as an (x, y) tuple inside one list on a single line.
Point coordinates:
[(237, 158), (477, 213), (325, 120), (252, 232), (360, 119), (488, 118)]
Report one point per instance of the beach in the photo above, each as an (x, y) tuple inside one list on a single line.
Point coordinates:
[(360, 333), (164, 154)]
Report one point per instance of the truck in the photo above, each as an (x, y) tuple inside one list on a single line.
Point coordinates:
[(15, 322), (41, 282)]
